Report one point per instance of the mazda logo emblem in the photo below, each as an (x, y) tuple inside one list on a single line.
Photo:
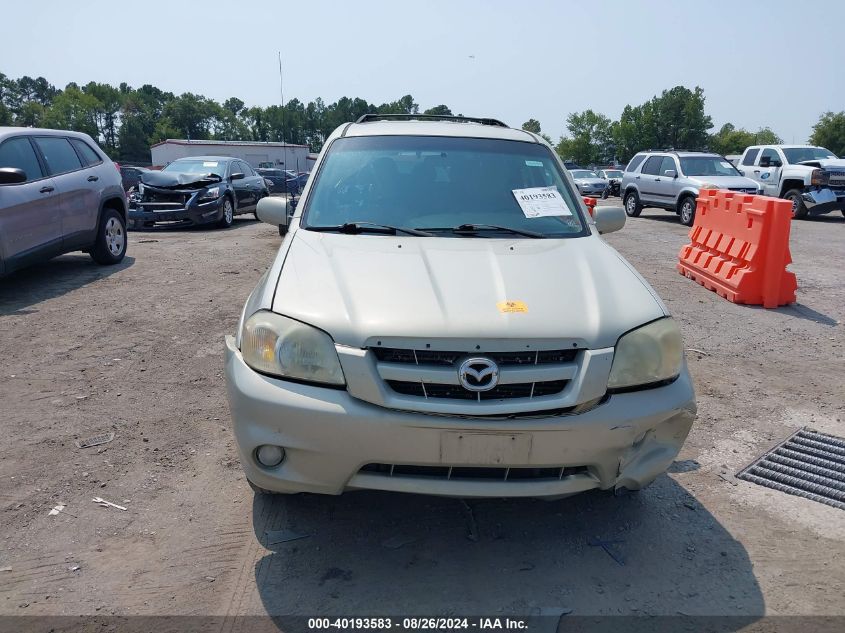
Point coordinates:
[(478, 374)]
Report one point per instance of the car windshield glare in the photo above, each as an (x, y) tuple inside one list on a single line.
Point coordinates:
[(432, 182), (799, 154), (707, 166), (583, 173), (612, 173), (197, 167)]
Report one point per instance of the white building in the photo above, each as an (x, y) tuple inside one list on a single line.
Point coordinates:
[(282, 155)]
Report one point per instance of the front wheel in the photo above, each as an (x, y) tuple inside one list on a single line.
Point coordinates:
[(110, 246), (228, 214), (633, 208), (283, 230), (799, 209), (687, 211)]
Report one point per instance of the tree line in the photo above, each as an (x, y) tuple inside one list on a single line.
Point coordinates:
[(126, 120)]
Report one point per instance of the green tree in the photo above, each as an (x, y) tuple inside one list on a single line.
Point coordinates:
[(829, 132), (191, 116), (233, 105), (680, 120), (533, 125), (107, 115), (73, 110), (730, 140), (590, 140), (439, 110)]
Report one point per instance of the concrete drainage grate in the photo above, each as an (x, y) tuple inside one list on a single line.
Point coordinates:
[(807, 464)]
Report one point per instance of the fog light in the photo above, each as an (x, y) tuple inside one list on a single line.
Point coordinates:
[(269, 455)]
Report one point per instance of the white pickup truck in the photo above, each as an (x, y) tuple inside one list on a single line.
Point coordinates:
[(812, 178)]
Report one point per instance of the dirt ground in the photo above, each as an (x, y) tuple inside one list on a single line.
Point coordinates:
[(138, 350)]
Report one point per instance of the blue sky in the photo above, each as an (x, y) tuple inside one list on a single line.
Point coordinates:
[(759, 63)]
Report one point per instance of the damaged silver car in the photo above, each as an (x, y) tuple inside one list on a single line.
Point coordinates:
[(197, 190), (443, 317)]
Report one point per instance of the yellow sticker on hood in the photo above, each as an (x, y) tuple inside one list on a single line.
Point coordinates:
[(512, 306)]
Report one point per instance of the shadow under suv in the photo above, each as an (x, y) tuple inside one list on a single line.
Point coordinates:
[(59, 193), (671, 180)]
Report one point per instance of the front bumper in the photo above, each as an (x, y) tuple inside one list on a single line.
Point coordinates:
[(146, 216), (822, 200), (328, 436)]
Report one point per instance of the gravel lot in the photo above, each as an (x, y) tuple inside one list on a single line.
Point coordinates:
[(137, 350)]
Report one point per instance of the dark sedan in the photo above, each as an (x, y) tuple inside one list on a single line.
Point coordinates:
[(197, 190), (284, 180)]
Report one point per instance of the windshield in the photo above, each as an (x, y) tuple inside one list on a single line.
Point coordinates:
[(197, 167), (431, 183), (798, 154), (707, 166), (612, 173), (583, 173)]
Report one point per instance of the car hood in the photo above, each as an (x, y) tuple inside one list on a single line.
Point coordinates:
[(361, 288), (177, 180), (590, 181), (824, 162), (725, 182)]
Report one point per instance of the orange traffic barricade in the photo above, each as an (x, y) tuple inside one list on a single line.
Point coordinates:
[(739, 248), (591, 205)]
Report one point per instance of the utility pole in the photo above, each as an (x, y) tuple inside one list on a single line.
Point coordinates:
[(282, 97)]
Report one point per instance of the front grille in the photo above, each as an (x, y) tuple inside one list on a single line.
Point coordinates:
[(499, 392), (502, 359), (155, 196), (751, 190), (474, 473)]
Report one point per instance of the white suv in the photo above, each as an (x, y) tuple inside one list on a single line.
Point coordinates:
[(672, 180), (444, 318)]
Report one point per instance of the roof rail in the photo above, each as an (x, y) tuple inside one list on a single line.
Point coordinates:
[(369, 118)]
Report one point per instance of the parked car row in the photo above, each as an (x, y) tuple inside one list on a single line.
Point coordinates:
[(812, 178)]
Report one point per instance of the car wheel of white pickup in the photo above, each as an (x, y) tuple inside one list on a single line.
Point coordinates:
[(799, 209)]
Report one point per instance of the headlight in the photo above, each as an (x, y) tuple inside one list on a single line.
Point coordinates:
[(140, 189), (708, 185), (277, 345), (819, 177), (650, 354), (211, 193)]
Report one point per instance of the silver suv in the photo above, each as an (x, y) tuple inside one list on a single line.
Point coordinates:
[(59, 193), (444, 318), (671, 180)]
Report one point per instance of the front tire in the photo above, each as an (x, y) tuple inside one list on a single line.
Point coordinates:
[(283, 230), (228, 213), (686, 212), (110, 247), (633, 208), (799, 209)]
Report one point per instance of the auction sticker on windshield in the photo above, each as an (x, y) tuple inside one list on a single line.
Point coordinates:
[(538, 202)]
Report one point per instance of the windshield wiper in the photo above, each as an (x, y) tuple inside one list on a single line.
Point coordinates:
[(476, 228), (354, 228)]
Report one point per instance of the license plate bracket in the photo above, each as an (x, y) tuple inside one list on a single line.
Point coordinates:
[(480, 448)]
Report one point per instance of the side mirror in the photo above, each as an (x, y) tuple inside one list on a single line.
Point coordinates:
[(777, 163), (670, 173), (12, 176), (273, 211), (765, 161), (237, 176), (609, 219)]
